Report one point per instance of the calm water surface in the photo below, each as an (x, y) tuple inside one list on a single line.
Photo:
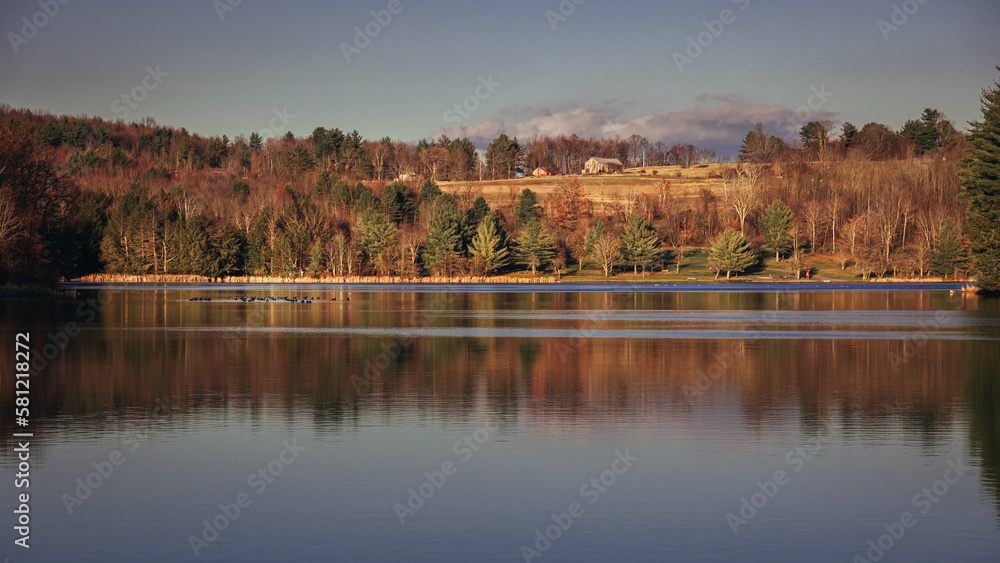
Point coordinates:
[(468, 425)]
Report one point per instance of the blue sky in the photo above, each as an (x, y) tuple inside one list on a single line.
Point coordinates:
[(604, 68)]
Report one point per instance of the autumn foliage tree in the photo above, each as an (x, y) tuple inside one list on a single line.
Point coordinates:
[(161, 200), (37, 215), (569, 205)]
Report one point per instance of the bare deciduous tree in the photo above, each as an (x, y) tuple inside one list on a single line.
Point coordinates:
[(607, 252), (813, 216)]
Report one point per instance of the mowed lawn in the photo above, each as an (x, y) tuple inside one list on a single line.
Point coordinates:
[(694, 269)]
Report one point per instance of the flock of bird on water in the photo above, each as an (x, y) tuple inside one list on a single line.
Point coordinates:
[(245, 299)]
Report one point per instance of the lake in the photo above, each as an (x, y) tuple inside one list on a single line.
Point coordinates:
[(507, 423)]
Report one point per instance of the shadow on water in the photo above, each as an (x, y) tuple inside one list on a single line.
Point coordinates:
[(126, 363), (983, 393)]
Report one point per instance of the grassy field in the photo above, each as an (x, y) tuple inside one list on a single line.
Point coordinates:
[(684, 182), (694, 268)]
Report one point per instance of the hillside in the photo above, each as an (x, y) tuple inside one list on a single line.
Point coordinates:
[(85, 196)]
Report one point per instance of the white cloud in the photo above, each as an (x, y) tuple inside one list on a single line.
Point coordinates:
[(716, 121)]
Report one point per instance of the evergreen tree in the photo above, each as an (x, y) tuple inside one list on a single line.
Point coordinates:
[(256, 142), (847, 136), (813, 134), (191, 243), (324, 183), (981, 186), (760, 148), (444, 239), (429, 191), (948, 255), (93, 217), (924, 135), (489, 247), (316, 256), (397, 201), (341, 193), (130, 236), (731, 252), (226, 256), (259, 248), (504, 157), (591, 237), (376, 231), (362, 198), (51, 134), (640, 244), (527, 208), (931, 132), (240, 189), (534, 247), (774, 225), (473, 217)]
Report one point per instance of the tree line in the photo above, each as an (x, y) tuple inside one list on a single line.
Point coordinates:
[(84, 195)]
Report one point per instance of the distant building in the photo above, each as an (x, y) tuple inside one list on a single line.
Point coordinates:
[(542, 172), (409, 176), (603, 166)]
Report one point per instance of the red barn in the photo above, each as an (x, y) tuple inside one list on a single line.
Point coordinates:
[(542, 172)]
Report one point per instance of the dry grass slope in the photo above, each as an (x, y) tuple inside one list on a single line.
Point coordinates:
[(685, 183)]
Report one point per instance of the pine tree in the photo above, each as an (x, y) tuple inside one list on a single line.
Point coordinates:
[(731, 252), (759, 148), (847, 136), (475, 215), (316, 256), (948, 254), (130, 235), (981, 184), (534, 247), (226, 255), (444, 239), (259, 249), (527, 208), (256, 142), (187, 244), (489, 247), (640, 243), (429, 191), (591, 237), (397, 200), (774, 224), (376, 232)]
